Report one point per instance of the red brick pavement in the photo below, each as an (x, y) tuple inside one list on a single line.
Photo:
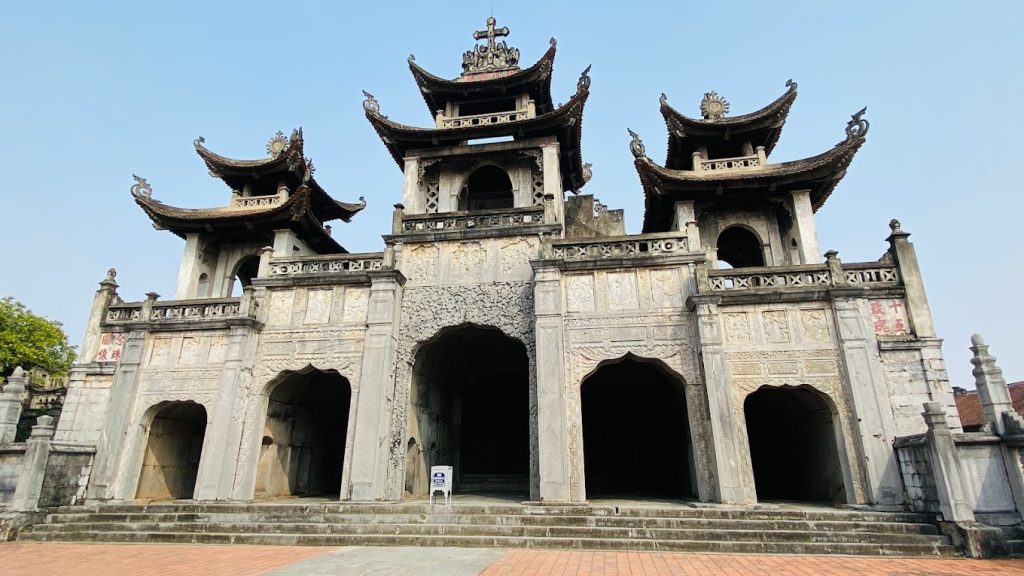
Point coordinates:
[(536, 562), (55, 559)]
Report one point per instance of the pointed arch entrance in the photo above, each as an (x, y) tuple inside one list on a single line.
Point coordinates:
[(303, 441), (793, 448), (174, 446), (469, 408), (636, 434)]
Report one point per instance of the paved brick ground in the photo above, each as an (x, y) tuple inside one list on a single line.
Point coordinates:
[(536, 562), (32, 558)]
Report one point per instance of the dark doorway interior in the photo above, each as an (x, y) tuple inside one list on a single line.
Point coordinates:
[(303, 447), (173, 449), (470, 410), (487, 188), (636, 435), (793, 445)]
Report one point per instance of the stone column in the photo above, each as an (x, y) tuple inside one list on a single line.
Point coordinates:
[(733, 477), (918, 311), (33, 468), (188, 271), (219, 458), (10, 405), (370, 446), (803, 225), (553, 178), (868, 395), (103, 298), (953, 498), (411, 186), (552, 412)]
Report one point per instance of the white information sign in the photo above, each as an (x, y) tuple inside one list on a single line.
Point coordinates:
[(441, 481)]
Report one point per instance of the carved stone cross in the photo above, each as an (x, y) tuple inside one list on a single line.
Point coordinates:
[(491, 33)]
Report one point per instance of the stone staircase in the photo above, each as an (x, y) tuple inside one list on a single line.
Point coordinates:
[(600, 527)]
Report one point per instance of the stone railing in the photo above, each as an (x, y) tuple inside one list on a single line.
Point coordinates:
[(729, 163), (866, 275), (619, 247), (257, 201), (331, 264), (176, 310), (499, 218), (482, 119)]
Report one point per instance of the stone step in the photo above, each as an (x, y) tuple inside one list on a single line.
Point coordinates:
[(719, 546), (514, 520), (732, 535)]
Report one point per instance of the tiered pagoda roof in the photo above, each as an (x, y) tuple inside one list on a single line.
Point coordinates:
[(491, 72), (735, 178), (257, 207)]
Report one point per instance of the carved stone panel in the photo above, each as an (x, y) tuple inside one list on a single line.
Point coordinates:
[(622, 291), (467, 261), (579, 293), (889, 316), (318, 307), (815, 325), (160, 351), (218, 348), (421, 264), (356, 303), (280, 313), (666, 291), (189, 350), (776, 326), (737, 327), (515, 258)]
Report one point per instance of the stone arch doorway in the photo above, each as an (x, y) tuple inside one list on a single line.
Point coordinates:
[(488, 187), (302, 450), (174, 446), (636, 432), (793, 449), (740, 247), (469, 408)]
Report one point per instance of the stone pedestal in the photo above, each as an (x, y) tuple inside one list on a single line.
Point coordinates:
[(10, 406), (953, 498)]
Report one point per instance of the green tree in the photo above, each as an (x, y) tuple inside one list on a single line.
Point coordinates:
[(29, 341)]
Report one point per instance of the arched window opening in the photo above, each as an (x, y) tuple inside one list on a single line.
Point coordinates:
[(303, 446), (793, 445), (173, 450), (488, 187), (247, 269), (739, 248), (636, 433), (470, 409)]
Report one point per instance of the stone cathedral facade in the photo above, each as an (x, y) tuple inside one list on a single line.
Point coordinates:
[(510, 328)]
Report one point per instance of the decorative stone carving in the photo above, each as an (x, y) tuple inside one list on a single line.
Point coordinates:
[(421, 263), (776, 326), (516, 255), (636, 146), (318, 306), (356, 302), (737, 327), (159, 351), (666, 291), (370, 105), (189, 350), (583, 83), (277, 144), (494, 56), (857, 127), (622, 291), (579, 293), (218, 348), (280, 313), (467, 261), (815, 325), (713, 107), (141, 188)]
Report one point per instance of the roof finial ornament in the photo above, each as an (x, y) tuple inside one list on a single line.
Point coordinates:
[(494, 56), (584, 82), (636, 146), (663, 99), (141, 188), (198, 142), (370, 104), (588, 172), (894, 225), (713, 107), (277, 144), (857, 127), (791, 84)]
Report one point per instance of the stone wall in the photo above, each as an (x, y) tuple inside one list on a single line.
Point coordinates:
[(85, 408), (918, 479), (11, 459), (67, 475), (909, 388)]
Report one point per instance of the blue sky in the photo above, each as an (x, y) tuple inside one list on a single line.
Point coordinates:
[(97, 91)]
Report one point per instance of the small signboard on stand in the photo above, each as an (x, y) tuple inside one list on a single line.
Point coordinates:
[(441, 481)]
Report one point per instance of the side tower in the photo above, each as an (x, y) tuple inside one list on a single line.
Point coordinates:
[(483, 187)]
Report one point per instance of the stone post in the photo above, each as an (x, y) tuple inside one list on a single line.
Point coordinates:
[(33, 468), (552, 411), (266, 253), (953, 497), (803, 225), (918, 311), (189, 270), (733, 478), (10, 405), (396, 218), (103, 298), (992, 389), (370, 446), (411, 186), (868, 394), (553, 178)]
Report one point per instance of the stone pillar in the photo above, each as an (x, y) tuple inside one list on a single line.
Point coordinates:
[(411, 186), (552, 411), (918, 311), (103, 298), (10, 405), (370, 445), (953, 498), (553, 178), (123, 391), (868, 395), (219, 458), (992, 390), (188, 271), (803, 225), (33, 468), (733, 478)]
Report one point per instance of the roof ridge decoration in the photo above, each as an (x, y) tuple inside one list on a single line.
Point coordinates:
[(857, 127), (276, 144), (141, 188), (712, 106), (636, 145), (492, 57)]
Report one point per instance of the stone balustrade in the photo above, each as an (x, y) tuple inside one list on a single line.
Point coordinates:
[(867, 275), (755, 160), (331, 264), (121, 313), (498, 218), (482, 119), (257, 201), (621, 247), (176, 310)]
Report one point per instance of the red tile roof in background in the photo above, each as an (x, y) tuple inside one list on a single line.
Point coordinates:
[(969, 405)]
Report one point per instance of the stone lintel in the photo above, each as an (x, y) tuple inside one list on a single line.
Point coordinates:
[(620, 262), (472, 234), (314, 279)]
